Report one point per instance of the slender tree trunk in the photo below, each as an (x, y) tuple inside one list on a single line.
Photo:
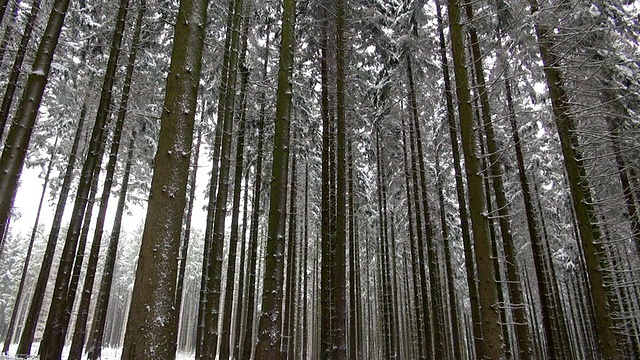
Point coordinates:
[(31, 321), (460, 192), (492, 347), (202, 329), (211, 336), (17, 142), (186, 238), (537, 245), (414, 247), (513, 281), (355, 323), (243, 27), (290, 295), (53, 338), (252, 250), (12, 82), (452, 306), (96, 336), (83, 312), (8, 31), (25, 268), (339, 276), (270, 331), (151, 325), (590, 233)]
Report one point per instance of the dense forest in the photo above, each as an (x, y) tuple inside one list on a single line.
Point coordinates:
[(322, 179)]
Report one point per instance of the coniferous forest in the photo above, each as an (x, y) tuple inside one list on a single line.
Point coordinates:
[(320, 179)]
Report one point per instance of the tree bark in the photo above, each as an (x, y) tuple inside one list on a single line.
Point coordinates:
[(270, 331), (31, 321), (12, 82), (18, 138), (151, 325), (25, 268), (492, 345), (590, 232)]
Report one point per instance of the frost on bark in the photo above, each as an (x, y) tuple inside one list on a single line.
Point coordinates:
[(151, 325), (270, 328)]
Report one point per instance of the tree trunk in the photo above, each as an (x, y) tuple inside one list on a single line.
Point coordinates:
[(31, 321), (151, 325), (83, 311), (270, 331), (243, 27), (12, 82), (25, 268), (53, 337), (590, 233), (492, 347), (252, 249), (17, 142), (339, 275), (460, 192), (94, 343)]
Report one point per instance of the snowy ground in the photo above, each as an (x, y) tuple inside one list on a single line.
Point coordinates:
[(107, 354)]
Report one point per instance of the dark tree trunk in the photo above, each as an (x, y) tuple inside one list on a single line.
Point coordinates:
[(151, 325), (590, 233), (460, 192), (31, 321), (94, 343), (17, 142), (12, 82), (492, 345), (83, 311), (53, 337), (269, 337), (252, 249), (25, 268)]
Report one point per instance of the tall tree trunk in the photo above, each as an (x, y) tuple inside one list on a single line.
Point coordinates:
[(235, 239), (17, 142), (339, 275), (12, 82), (186, 237), (513, 281), (537, 245), (202, 328), (211, 336), (252, 249), (492, 346), (83, 311), (25, 268), (151, 325), (270, 331), (53, 338), (327, 208), (417, 299), (96, 336), (452, 306), (355, 323), (31, 321), (460, 191), (290, 295), (590, 232), (434, 276)]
